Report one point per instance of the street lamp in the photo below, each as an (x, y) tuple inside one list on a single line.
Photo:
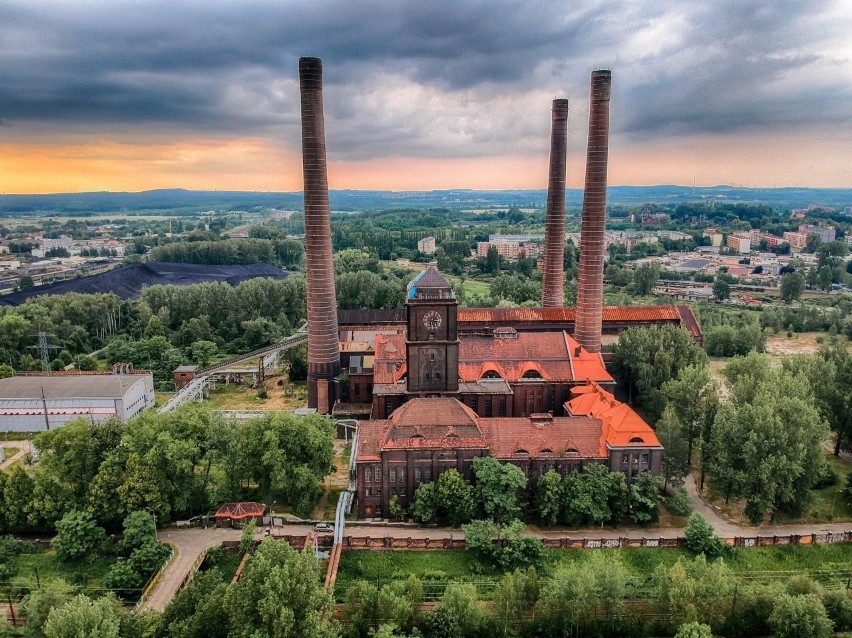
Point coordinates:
[(833, 501), (154, 515)]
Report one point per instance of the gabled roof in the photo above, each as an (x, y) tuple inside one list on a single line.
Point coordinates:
[(241, 511), (622, 427)]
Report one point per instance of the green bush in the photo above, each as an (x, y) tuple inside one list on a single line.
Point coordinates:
[(800, 616), (700, 537), (680, 504), (124, 580), (77, 534), (694, 630), (139, 529), (149, 558), (838, 605)]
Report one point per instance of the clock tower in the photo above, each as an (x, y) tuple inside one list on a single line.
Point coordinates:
[(432, 344)]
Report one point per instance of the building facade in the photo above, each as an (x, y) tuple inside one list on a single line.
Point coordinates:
[(34, 403)]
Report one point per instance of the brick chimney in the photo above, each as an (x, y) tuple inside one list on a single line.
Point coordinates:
[(587, 329), (552, 290), (323, 339)]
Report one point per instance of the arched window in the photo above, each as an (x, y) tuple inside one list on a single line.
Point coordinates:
[(522, 452), (490, 374), (531, 374), (637, 439), (546, 452)]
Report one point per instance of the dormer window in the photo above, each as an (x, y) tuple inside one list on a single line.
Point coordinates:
[(637, 439), (491, 374), (531, 374)]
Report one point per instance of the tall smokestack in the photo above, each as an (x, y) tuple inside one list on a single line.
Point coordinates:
[(552, 290), (587, 329), (323, 339)]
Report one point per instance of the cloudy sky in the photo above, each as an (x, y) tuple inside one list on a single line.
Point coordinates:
[(420, 94)]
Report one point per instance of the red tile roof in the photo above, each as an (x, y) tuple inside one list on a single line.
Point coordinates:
[(556, 356), (567, 314), (389, 366), (559, 437), (241, 511), (622, 427)]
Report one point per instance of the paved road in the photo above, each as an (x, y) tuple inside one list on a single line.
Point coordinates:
[(189, 544)]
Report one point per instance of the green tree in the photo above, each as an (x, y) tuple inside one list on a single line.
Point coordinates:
[(287, 456), (149, 557), (721, 289), (203, 351), (515, 596), (77, 535), (455, 497), (124, 580), (689, 395), (797, 616), (82, 616), (461, 603), (699, 536), (498, 486), (645, 277), (594, 496), (645, 499), (670, 433), (502, 545), (139, 529), (424, 509), (492, 260), (247, 537), (767, 443), (6, 371), (792, 286), (646, 358), (548, 497), (196, 611), (694, 590), (36, 605), (280, 595)]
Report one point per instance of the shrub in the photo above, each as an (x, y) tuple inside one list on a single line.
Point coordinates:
[(503, 545), (680, 504), (827, 477), (139, 528), (694, 630), (247, 537), (700, 537), (838, 605), (124, 580), (149, 558), (77, 534), (798, 616)]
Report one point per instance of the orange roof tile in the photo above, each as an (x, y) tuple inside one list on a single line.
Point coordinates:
[(622, 427), (567, 314), (240, 511)]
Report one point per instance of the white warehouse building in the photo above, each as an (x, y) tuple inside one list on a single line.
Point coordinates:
[(34, 403)]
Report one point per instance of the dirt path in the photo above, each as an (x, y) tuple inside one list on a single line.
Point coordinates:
[(23, 450)]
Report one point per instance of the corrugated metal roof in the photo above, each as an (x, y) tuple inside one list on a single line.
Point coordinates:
[(111, 386)]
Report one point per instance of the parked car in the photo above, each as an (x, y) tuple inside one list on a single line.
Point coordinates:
[(324, 527)]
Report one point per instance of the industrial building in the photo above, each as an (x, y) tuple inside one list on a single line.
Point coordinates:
[(36, 402)]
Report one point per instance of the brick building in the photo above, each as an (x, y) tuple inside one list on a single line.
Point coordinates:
[(441, 397)]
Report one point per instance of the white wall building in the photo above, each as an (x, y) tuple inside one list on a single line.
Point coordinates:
[(33, 403)]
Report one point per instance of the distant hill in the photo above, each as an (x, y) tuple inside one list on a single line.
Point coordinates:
[(177, 201), (128, 282)]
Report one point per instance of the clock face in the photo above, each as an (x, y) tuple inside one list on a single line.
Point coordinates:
[(432, 320)]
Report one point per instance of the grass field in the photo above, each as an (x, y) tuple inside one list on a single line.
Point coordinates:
[(443, 566), (226, 566), (43, 566), (472, 286)]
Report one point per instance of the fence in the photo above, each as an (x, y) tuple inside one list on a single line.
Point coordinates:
[(565, 542), (151, 585)]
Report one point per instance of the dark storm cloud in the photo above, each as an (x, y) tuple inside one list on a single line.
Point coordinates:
[(436, 77)]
